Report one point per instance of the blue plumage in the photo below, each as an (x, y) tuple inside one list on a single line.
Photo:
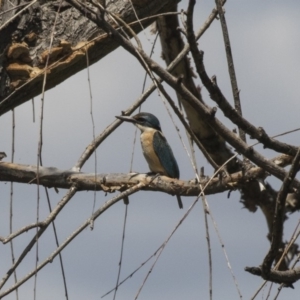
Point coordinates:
[(165, 155), (156, 149)]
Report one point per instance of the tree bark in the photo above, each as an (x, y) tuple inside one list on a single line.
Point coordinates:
[(65, 179), (172, 44), (26, 40)]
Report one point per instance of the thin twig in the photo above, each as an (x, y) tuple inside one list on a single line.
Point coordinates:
[(143, 90), (186, 126), (57, 244), (72, 191), (225, 106), (18, 13), (13, 8), (94, 216), (93, 122), (205, 212), (40, 144), (224, 251), (293, 239), (233, 80), (164, 245), (11, 200), (271, 255), (277, 228), (132, 273), (122, 250)]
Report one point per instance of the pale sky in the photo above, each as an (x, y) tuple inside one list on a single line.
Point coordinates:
[(266, 55)]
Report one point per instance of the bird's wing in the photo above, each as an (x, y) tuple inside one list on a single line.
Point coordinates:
[(165, 155)]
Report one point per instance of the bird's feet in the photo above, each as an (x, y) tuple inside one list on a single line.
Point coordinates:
[(153, 175)]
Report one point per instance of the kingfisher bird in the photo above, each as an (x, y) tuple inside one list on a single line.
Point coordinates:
[(156, 149)]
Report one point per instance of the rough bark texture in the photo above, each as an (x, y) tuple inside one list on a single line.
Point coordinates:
[(172, 44), (65, 179), (25, 41)]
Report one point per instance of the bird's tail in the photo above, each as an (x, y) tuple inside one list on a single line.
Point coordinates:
[(179, 201)]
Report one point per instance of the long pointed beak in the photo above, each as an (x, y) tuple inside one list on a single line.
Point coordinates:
[(126, 119)]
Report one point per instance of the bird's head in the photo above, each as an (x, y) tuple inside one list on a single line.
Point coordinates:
[(143, 121)]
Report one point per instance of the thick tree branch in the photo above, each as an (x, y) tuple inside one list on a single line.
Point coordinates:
[(277, 228), (288, 277), (65, 179), (24, 46), (53, 177)]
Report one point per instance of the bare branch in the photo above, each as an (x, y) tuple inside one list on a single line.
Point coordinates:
[(233, 80), (53, 177), (187, 127), (33, 241), (288, 277), (277, 228), (228, 110), (58, 250), (172, 43)]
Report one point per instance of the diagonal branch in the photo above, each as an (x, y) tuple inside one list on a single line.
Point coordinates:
[(233, 80), (27, 249), (228, 110), (172, 43), (58, 250)]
